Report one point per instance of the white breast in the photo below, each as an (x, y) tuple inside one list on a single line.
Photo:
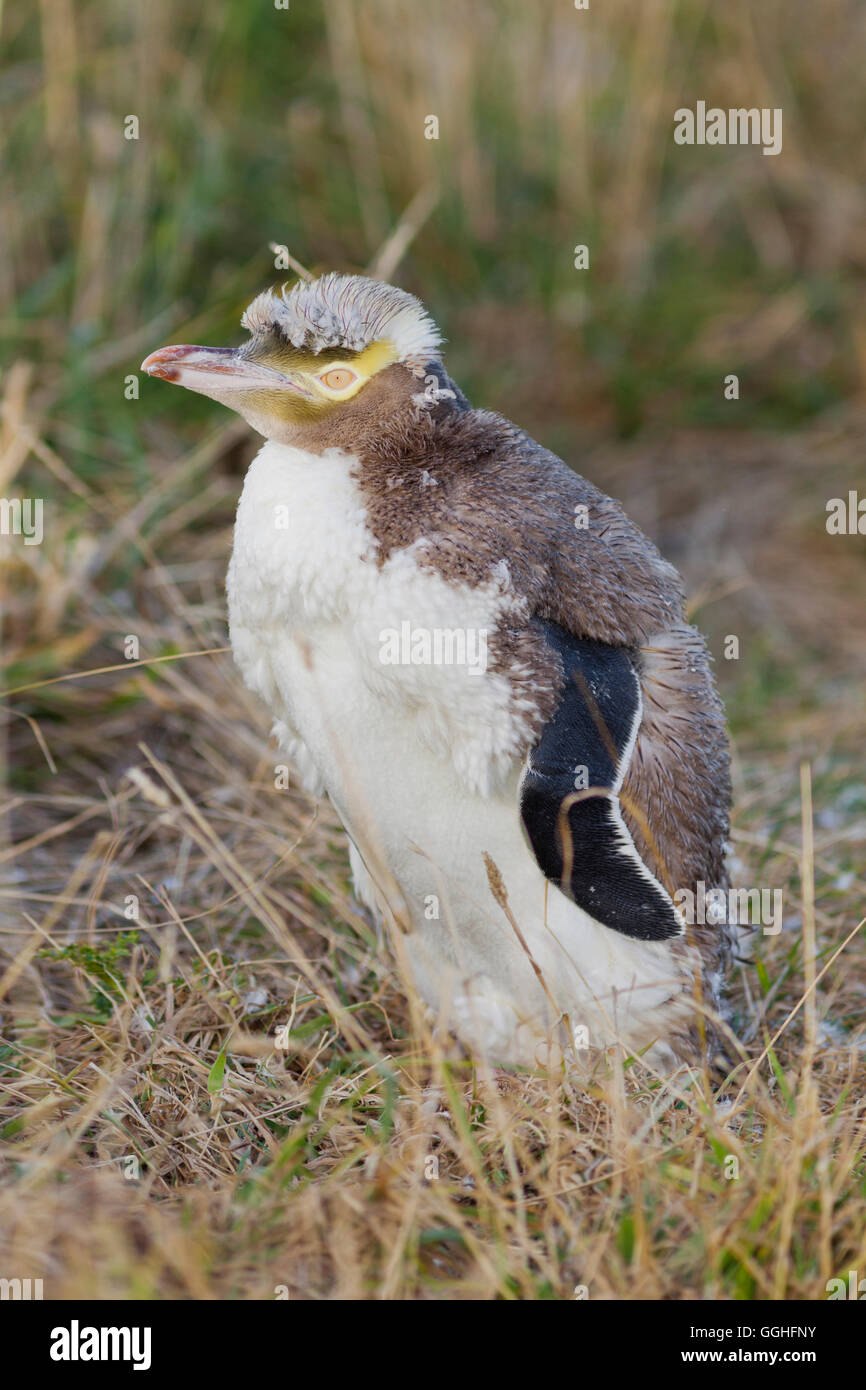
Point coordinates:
[(419, 759), (313, 617)]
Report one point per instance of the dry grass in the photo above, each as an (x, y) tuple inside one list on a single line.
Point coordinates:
[(156, 1141)]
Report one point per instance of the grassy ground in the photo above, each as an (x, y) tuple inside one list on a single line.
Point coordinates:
[(159, 1139)]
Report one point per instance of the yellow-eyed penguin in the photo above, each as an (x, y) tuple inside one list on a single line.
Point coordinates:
[(486, 666)]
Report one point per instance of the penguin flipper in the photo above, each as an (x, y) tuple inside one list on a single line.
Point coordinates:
[(569, 801)]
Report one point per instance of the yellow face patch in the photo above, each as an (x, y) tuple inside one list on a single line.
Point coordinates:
[(340, 380), (327, 378)]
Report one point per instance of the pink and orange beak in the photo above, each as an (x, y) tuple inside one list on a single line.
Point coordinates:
[(218, 372)]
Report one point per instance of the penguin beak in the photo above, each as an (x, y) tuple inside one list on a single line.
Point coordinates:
[(216, 372)]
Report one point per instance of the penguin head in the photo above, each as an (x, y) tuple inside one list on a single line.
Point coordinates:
[(311, 354)]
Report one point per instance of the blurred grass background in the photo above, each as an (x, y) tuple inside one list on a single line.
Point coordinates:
[(306, 127)]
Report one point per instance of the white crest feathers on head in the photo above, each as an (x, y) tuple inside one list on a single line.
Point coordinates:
[(347, 311)]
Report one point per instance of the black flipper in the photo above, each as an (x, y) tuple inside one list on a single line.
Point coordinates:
[(588, 744)]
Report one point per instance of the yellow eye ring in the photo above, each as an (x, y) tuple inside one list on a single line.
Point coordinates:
[(338, 378)]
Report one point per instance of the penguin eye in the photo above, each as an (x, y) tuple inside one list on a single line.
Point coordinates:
[(338, 378)]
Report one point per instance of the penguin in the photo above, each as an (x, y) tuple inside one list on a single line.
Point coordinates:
[(486, 667)]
